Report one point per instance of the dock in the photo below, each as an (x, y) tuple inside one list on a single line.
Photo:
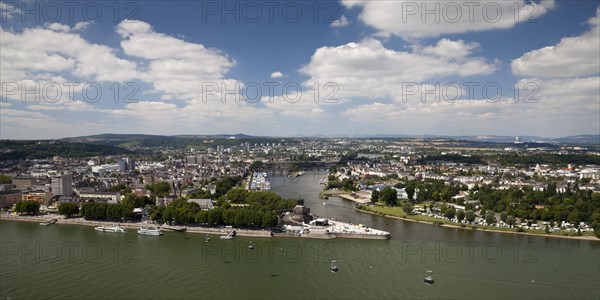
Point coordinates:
[(173, 228)]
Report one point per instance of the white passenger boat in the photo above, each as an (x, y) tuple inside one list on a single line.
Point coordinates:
[(149, 230), (116, 228)]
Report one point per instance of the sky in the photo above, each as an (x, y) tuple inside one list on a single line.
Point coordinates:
[(293, 68)]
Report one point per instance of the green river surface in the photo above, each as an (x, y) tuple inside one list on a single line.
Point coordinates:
[(67, 261)]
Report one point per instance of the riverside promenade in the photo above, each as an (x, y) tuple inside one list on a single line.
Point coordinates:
[(340, 230)]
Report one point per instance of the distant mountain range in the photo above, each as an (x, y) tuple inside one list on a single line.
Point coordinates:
[(578, 139), (177, 141), (202, 141)]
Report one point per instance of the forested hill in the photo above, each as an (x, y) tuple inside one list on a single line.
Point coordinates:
[(12, 149), (199, 142)]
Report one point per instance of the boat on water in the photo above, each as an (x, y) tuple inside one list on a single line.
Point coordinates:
[(229, 235), (207, 238), (49, 222), (250, 247), (429, 279), (333, 267), (115, 228), (149, 230)]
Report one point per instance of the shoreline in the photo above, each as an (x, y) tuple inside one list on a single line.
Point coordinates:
[(583, 238), (83, 222), (361, 197), (258, 233)]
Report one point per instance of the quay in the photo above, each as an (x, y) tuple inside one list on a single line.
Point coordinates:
[(333, 229)]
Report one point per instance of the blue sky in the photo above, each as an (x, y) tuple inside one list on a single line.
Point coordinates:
[(377, 59)]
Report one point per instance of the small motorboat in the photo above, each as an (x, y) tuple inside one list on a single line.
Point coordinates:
[(333, 267), (207, 238), (250, 247), (229, 235), (429, 279)]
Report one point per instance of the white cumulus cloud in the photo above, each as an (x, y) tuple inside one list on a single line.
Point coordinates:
[(341, 22), (368, 69), (419, 19), (276, 74), (571, 57)]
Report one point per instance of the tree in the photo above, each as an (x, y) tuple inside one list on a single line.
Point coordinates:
[(503, 216), (470, 216), (490, 218), (5, 179), (160, 189), (215, 216), (410, 191), (573, 217), (460, 215), (510, 220), (27, 207), (596, 223), (374, 196), (389, 196), (408, 207), (450, 212), (136, 201), (269, 220), (237, 195), (256, 165), (68, 209), (156, 213), (201, 217)]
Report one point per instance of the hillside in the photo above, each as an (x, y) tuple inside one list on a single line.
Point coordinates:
[(176, 141), (11, 149)]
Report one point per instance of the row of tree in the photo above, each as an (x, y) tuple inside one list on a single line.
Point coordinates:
[(431, 190), (27, 207), (106, 212), (254, 209), (548, 205), (388, 195)]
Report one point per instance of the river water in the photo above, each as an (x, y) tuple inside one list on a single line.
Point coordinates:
[(66, 261)]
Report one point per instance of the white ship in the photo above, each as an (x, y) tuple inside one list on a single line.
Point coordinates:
[(149, 230), (115, 228)]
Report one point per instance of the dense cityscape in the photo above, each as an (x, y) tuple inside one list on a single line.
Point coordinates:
[(314, 149), (532, 187)]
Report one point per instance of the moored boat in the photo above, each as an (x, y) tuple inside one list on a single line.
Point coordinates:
[(229, 235), (49, 222), (115, 228), (149, 230)]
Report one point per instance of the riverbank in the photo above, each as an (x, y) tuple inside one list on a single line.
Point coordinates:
[(324, 194), (583, 237), (361, 197), (193, 229), (83, 222)]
